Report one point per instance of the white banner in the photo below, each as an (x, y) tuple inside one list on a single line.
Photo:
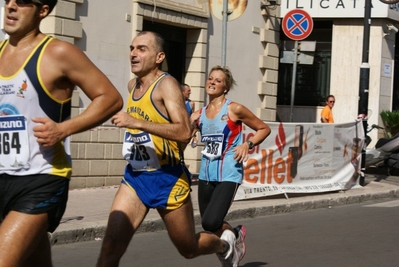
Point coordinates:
[(303, 158)]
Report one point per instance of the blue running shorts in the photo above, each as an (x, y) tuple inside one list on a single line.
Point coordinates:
[(166, 188)]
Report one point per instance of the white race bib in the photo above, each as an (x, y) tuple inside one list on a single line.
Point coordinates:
[(139, 150), (14, 143), (213, 145)]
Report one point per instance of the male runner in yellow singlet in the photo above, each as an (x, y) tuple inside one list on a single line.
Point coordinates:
[(156, 121)]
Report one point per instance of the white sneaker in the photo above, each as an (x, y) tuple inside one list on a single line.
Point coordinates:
[(228, 259), (240, 244)]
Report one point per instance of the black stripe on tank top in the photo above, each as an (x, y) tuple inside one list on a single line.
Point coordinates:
[(58, 112)]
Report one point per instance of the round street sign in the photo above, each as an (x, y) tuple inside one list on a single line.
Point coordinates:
[(297, 24)]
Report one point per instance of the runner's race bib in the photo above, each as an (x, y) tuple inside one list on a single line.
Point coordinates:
[(14, 143), (213, 145), (139, 150)]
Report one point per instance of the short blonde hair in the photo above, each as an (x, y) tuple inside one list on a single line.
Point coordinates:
[(229, 80)]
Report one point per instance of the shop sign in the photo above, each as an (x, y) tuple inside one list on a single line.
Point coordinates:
[(341, 8)]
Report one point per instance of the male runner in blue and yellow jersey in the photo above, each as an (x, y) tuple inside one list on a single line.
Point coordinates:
[(156, 121), (38, 74)]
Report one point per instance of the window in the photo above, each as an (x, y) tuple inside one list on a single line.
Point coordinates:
[(312, 81)]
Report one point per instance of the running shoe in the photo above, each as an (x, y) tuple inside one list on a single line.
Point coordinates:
[(227, 259), (240, 244)]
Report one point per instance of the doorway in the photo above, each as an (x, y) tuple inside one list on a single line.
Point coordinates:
[(175, 47)]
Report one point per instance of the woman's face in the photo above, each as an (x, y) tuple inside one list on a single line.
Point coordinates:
[(215, 85)]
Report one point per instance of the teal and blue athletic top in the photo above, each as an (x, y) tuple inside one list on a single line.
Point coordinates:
[(220, 136)]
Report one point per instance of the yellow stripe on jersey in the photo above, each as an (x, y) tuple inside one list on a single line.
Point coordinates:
[(61, 163)]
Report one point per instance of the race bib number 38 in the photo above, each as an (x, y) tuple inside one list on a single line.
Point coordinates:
[(14, 143)]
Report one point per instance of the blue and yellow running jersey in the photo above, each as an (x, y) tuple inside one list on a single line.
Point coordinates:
[(145, 151), (22, 97)]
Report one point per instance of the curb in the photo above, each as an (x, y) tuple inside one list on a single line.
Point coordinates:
[(96, 232)]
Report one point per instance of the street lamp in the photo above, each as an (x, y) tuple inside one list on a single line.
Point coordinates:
[(365, 79)]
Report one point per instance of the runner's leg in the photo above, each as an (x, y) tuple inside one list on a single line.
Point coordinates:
[(21, 235), (42, 255), (127, 213), (218, 205), (188, 243)]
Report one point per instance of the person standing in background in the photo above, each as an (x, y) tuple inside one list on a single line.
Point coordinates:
[(38, 75), (326, 113), (190, 105)]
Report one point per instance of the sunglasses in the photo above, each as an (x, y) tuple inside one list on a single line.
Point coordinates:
[(331, 101), (26, 2)]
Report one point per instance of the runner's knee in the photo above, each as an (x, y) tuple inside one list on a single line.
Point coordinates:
[(188, 253), (211, 224)]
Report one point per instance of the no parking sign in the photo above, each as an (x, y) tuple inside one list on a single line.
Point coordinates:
[(297, 24)]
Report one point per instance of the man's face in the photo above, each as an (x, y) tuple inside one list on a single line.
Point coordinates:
[(144, 56), (186, 92), (330, 102), (20, 18)]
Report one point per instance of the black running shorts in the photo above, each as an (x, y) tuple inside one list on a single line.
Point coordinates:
[(34, 194)]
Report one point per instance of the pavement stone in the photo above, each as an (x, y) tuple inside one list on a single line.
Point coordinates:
[(86, 216)]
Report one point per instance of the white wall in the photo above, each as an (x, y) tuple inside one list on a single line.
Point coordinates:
[(242, 56), (106, 39), (2, 34), (345, 69)]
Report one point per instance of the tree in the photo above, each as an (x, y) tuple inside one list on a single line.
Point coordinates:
[(391, 122)]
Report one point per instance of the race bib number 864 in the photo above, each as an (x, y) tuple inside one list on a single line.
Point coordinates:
[(14, 143)]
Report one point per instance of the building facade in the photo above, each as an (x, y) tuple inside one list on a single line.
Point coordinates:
[(250, 44), (338, 33)]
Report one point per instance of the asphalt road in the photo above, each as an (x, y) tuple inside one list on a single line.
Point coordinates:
[(365, 235)]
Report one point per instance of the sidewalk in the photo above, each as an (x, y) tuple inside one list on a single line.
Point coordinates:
[(87, 211)]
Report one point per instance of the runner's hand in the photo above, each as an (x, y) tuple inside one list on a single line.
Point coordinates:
[(47, 132), (122, 119), (241, 154)]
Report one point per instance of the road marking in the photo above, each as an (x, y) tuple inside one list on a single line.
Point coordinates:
[(389, 204)]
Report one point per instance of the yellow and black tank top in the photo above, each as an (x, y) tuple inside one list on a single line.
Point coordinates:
[(22, 97), (145, 151)]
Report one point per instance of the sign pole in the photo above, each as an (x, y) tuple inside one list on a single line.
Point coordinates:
[(293, 82), (224, 31), (297, 25)]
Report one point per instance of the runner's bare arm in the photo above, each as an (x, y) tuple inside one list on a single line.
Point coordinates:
[(69, 66), (238, 112), (169, 101)]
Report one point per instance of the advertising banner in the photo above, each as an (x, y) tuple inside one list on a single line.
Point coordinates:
[(303, 158)]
